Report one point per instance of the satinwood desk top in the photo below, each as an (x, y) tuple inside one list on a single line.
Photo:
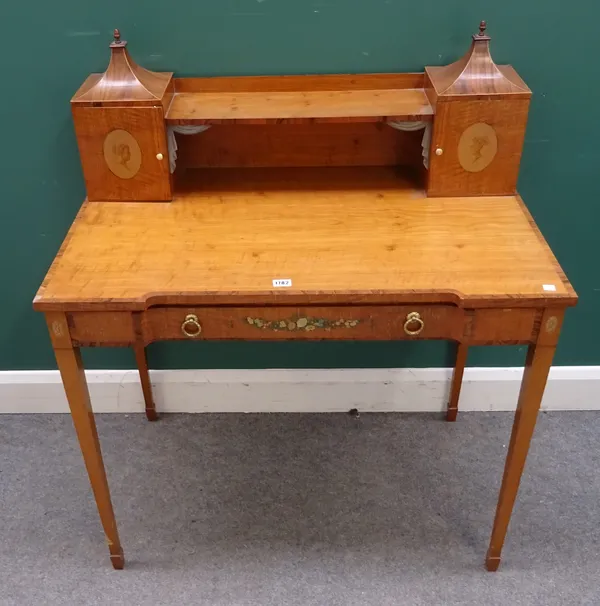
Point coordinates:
[(339, 234)]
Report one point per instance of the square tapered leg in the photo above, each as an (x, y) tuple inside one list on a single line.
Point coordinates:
[(142, 363), (537, 367), (457, 377), (72, 373)]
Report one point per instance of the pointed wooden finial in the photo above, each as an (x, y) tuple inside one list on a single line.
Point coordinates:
[(117, 42), (482, 29)]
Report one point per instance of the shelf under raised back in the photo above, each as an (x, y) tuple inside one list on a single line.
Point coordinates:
[(284, 99)]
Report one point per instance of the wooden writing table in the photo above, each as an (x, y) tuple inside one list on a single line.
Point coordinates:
[(370, 257)]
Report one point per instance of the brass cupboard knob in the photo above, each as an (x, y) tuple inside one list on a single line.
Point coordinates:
[(414, 324), (159, 156), (191, 327), (439, 151)]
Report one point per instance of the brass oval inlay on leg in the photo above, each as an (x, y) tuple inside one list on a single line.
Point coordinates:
[(477, 147), (122, 154)]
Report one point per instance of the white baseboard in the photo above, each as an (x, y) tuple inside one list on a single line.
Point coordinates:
[(369, 389)]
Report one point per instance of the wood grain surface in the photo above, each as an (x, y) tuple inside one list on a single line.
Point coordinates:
[(359, 144), (321, 82), (340, 234), (299, 106)]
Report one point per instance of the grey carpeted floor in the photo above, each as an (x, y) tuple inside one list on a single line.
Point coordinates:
[(281, 510)]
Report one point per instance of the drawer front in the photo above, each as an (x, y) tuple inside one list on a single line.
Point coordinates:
[(412, 322)]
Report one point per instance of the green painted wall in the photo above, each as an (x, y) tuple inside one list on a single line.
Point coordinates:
[(48, 48)]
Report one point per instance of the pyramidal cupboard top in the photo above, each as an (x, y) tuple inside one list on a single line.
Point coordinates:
[(476, 74), (124, 82)]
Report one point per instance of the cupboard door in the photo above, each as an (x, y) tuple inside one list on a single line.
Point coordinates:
[(123, 152), (476, 147)]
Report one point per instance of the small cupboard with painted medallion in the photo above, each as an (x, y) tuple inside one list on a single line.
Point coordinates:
[(480, 118), (119, 119)]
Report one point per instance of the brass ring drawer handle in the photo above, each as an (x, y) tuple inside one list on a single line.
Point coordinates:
[(191, 327), (413, 318)]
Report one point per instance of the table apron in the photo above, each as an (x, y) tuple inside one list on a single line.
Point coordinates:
[(352, 322)]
